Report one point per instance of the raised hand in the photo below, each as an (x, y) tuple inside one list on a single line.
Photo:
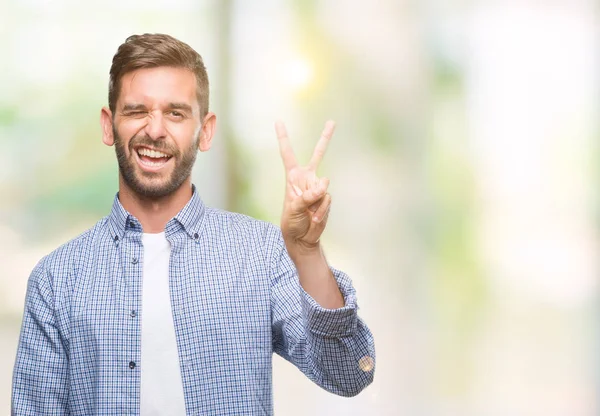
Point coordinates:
[(306, 205)]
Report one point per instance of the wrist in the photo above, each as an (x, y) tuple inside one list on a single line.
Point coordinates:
[(299, 250), (314, 274)]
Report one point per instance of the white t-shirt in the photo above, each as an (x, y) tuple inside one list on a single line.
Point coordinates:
[(161, 389)]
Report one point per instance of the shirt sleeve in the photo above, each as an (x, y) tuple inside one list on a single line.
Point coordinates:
[(40, 374), (332, 347)]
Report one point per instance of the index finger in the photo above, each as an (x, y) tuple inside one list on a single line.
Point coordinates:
[(321, 146), (285, 148)]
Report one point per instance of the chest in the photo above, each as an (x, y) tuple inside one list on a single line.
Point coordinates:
[(219, 295)]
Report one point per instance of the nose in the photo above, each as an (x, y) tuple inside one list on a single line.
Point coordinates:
[(155, 128)]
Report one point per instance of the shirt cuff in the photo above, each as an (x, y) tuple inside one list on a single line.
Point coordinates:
[(335, 323)]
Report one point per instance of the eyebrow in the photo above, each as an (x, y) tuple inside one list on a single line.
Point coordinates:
[(170, 106), (180, 106), (133, 107)]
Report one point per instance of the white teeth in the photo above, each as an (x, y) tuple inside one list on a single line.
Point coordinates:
[(151, 153), (153, 164)]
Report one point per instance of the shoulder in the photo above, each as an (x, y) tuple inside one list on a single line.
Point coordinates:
[(235, 226), (219, 219), (73, 254)]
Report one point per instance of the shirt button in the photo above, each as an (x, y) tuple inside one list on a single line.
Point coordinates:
[(131, 364), (134, 260), (195, 236), (131, 224), (366, 363), (132, 314)]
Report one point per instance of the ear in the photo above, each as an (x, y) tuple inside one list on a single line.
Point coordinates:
[(106, 123), (209, 125)]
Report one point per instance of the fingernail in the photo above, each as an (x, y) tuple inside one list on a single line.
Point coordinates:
[(298, 191)]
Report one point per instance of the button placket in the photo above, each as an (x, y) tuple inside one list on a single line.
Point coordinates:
[(133, 259)]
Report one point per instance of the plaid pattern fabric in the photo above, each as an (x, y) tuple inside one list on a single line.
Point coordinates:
[(236, 299)]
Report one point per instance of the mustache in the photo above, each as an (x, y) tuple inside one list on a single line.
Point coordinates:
[(160, 145)]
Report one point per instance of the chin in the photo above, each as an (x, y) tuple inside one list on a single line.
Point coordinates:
[(155, 189)]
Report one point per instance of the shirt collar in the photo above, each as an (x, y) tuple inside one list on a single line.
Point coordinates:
[(189, 219)]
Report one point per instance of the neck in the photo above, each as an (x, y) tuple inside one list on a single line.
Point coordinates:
[(154, 213)]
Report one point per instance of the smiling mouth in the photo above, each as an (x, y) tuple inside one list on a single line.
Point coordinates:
[(152, 158)]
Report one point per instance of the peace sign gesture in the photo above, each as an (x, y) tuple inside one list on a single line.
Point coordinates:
[(306, 204)]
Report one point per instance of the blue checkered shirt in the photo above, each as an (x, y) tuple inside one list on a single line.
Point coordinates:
[(235, 297)]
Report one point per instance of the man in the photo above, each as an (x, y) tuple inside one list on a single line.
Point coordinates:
[(168, 307)]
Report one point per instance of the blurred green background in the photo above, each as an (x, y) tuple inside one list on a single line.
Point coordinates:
[(464, 175)]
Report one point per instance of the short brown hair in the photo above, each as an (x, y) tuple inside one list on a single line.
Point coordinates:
[(151, 51)]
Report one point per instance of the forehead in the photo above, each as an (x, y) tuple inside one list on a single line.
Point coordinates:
[(160, 85)]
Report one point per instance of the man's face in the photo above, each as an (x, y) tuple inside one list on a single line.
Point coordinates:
[(156, 129)]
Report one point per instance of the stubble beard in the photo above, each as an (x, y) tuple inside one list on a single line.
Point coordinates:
[(149, 184)]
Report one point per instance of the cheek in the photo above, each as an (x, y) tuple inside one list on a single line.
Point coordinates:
[(131, 128), (122, 144), (127, 131), (122, 149), (184, 135)]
